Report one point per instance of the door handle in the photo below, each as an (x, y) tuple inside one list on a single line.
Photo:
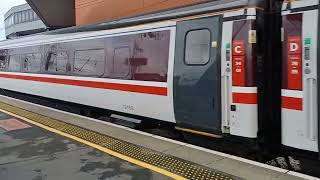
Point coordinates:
[(226, 99), (213, 103), (311, 109)]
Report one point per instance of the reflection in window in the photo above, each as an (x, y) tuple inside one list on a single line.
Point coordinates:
[(3, 60), (2, 63), (56, 62), (197, 49), (31, 62), (14, 63), (89, 62), (120, 62)]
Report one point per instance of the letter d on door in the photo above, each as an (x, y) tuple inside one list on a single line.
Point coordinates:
[(294, 45)]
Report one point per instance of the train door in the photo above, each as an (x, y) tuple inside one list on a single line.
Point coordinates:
[(197, 75), (300, 86)]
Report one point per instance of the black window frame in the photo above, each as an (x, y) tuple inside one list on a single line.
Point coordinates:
[(185, 47), (8, 63), (22, 61), (6, 57), (90, 75), (116, 75), (56, 72)]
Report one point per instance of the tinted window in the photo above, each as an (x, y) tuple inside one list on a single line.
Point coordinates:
[(3, 59), (142, 56), (14, 63), (120, 62), (89, 62), (197, 50), (56, 62), (31, 62)]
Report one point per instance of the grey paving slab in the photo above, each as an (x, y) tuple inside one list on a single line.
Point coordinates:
[(155, 144), (4, 116), (244, 170), (1, 131), (126, 135), (32, 143), (85, 164), (37, 154), (193, 155), (144, 141), (288, 177)]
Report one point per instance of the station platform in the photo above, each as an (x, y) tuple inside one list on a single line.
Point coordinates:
[(38, 142)]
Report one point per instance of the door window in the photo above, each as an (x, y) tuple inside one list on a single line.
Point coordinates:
[(197, 48)]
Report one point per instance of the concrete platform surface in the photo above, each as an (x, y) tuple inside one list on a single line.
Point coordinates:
[(32, 153), (236, 166)]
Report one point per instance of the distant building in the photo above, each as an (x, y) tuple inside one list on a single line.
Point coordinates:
[(22, 20)]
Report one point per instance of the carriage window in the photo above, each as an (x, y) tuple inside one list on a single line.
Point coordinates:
[(197, 50), (31, 62), (2, 63), (89, 62), (3, 60), (14, 63), (121, 62), (56, 62)]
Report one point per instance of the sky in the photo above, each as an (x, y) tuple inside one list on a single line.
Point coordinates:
[(5, 5)]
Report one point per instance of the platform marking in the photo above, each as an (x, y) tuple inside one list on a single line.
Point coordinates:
[(163, 164), (113, 153), (12, 125)]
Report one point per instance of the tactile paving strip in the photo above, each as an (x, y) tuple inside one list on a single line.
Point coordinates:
[(174, 165)]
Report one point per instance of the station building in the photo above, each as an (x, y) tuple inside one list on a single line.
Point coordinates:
[(42, 15), (22, 20)]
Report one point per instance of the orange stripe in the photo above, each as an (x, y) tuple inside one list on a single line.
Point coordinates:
[(93, 84), (292, 103), (244, 98)]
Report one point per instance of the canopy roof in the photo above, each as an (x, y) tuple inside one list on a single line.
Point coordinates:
[(55, 14)]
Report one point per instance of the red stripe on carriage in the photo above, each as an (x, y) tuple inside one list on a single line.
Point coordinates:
[(244, 98), (292, 103), (93, 84)]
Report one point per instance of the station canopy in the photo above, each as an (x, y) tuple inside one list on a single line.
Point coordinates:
[(55, 14)]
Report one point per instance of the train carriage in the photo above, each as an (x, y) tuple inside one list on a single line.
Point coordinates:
[(212, 69), (197, 71), (242, 73), (300, 88)]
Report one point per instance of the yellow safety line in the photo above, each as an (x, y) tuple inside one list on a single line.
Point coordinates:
[(108, 151), (198, 132)]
